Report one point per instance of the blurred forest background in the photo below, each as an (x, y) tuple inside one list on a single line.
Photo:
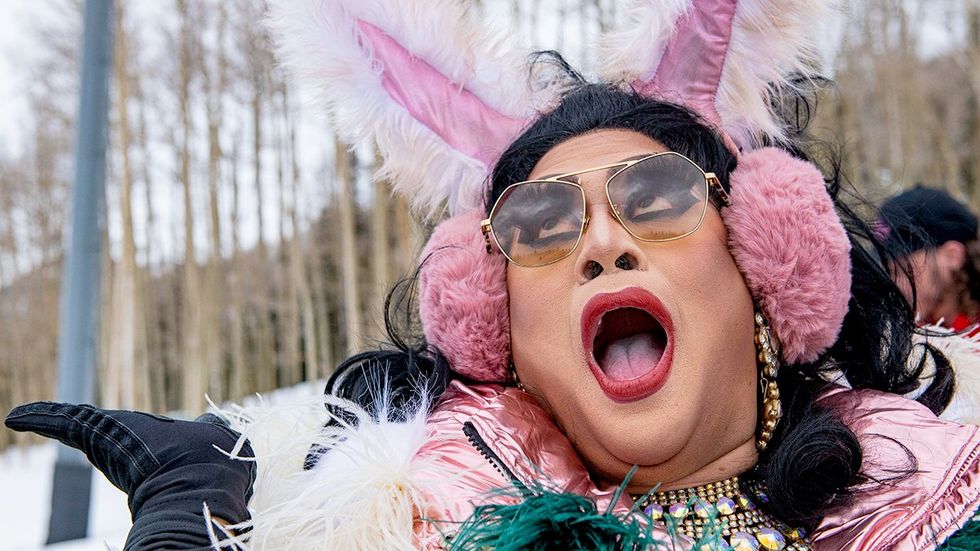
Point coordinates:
[(247, 249)]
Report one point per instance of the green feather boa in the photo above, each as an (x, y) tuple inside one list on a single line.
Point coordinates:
[(542, 519), (966, 538), (550, 520)]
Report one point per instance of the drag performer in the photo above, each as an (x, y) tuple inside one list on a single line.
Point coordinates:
[(631, 318)]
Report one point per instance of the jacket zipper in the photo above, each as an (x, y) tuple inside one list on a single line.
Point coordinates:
[(481, 446)]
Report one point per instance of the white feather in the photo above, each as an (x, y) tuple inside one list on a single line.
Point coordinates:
[(963, 354), (632, 49), (318, 41), (363, 494), (771, 40)]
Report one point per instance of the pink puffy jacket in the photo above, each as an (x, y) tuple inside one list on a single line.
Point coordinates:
[(913, 513)]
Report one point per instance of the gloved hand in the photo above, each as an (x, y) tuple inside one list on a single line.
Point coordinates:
[(168, 468)]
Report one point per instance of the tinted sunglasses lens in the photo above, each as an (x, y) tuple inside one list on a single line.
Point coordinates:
[(660, 198), (537, 223)]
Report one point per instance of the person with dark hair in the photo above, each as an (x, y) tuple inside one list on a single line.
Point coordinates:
[(630, 320), (935, 237)]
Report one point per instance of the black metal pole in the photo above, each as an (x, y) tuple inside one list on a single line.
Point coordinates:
[(79, 316)]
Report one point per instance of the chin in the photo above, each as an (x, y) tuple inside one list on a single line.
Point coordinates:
[(641, 435)]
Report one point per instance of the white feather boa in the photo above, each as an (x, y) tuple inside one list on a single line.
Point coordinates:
[(964, 355), (362, 495)]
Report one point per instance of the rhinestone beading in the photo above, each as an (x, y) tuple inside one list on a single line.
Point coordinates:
[(727, 511)]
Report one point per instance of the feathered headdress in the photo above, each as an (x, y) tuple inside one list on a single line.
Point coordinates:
[(440, 94), (443, 97), (728, 60)]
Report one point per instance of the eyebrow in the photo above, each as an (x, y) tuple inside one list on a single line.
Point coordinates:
[(609, 172)]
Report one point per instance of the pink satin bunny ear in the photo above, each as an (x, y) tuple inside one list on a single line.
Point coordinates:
[(726, 59), (440, 94)]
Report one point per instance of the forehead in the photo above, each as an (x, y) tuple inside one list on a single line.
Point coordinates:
[(594, 149)]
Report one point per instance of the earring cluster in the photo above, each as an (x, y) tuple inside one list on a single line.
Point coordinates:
[(767, 348)]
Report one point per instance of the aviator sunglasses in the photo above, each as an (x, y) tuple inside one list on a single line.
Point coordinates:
[(658, 197)]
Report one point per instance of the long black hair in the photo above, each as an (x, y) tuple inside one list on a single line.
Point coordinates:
[(814, 460)]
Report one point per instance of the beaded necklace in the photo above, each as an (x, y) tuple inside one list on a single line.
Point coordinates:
[(727, 509)]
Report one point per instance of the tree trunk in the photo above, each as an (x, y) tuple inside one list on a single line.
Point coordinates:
[(127, 355), (239, 383), (973, 55), (409, 236), (156, 359), (380, 263), (321, 311), (289, 318), (264, 360), (348, 254), (298, 270), (215, 298), (193, 365)]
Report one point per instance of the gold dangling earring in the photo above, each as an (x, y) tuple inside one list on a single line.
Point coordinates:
[(768, 357), (514, 378)]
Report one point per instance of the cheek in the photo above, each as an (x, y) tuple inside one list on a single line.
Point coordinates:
[(709, 274), (715, 308), (522, 304), (538, 315)]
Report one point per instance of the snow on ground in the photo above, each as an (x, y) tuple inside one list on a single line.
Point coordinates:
[(25, 502), (25, 494)]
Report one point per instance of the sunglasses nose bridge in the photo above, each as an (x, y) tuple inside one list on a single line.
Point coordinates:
[(609, 226)]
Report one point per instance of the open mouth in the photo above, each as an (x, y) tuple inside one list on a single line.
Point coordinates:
[(629, 343), (627, 336)]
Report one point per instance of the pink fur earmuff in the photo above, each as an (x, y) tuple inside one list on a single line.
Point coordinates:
[(463, 299), (790, 245)]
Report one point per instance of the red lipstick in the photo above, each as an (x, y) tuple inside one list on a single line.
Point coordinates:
[(612, 307)]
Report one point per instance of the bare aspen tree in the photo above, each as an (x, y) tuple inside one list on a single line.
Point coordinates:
[(348, 255), (380, 263), (154, 384), (973, 70), (13, 355), (895, 109), (298, 253), (257, 57), (8, 322), (42, 206), (127, 352), (288, 320), (408, 234), (192, 367), (238, 378), (215, 79), (321, 307)]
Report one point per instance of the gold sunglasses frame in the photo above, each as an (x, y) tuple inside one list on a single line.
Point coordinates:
[(713, 189)]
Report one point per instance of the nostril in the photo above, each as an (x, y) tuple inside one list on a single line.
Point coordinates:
[(625, 262), (592, 269)]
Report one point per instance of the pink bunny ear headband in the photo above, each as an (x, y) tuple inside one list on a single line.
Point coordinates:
[(424, 82)]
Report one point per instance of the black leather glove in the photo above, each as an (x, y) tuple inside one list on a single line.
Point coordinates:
[(168, 468)]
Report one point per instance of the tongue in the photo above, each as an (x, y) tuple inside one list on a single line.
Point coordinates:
[(630, 357)]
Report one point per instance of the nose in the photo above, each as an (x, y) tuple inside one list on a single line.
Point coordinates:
[(606, 246)]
